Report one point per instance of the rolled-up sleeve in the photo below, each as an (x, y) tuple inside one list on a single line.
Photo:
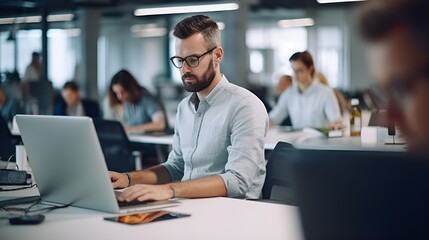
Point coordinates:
[(175, 163), (245, 169)]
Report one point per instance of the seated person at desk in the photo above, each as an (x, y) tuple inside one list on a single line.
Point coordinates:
[(218, 147), (142, 111), (398, 36), (308, 102), (71, 103), (113, 108), (285, 81), (7, 106)]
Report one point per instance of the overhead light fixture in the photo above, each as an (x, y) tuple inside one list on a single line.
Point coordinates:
[(59, 33), (60, 17), (337, 1), (6, 20), (151, 32), (299, 22), (37, 19), (186, 9), (148, 30)]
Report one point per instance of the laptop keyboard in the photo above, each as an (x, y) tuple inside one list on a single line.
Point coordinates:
[(132, 203)]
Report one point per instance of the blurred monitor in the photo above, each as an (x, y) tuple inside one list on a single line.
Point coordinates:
[(361, 194)]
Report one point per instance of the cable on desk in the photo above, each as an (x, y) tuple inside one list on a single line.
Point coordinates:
[(16, 189), (28, 210)]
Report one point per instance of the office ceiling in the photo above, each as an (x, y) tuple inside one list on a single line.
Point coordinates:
[(12, 8)]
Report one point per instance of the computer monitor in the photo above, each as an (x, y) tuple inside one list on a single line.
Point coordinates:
[(361, 194)]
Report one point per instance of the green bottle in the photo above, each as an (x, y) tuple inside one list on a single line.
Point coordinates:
[(355, 118)]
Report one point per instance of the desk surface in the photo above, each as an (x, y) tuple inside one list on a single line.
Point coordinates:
[(164, 140), (299, 139), (212, 218), (313, 140)]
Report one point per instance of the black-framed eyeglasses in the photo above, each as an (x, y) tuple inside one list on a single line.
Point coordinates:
[(192, 61)]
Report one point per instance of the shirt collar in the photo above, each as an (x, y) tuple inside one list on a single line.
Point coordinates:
[(195, 100), (216, 90), (212, 95), (310, 88)]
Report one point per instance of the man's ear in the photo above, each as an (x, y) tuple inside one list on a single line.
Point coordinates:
[(218, 54)]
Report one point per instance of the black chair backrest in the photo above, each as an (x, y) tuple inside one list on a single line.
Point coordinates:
[(42, 91), (6, 141), (115, 145), (277, 185)]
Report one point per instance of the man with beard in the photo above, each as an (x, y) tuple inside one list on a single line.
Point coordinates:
[(218, 147)]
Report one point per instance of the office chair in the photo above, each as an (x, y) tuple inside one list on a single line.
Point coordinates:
[(7, 148), (43, 94), (116, 146), (277, 183)]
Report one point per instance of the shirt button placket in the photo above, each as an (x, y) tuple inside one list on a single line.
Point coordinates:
[(195, 135)]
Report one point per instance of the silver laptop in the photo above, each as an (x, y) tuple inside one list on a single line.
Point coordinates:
[(68, 164)]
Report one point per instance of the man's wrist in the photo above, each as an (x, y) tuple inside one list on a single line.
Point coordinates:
[(173, 192), (129, 178)]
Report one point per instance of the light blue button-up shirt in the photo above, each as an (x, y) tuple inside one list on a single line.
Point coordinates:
[(315, 107), (225, 136)]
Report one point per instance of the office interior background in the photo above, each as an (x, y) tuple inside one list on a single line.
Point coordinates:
[(88, 41)]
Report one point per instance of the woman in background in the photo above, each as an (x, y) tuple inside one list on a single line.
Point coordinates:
[(113, 108), (308, 102), (142, 111)]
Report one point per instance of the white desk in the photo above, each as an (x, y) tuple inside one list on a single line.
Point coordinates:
[(274, 135), (164, 140), (212, 218), (310, 140)]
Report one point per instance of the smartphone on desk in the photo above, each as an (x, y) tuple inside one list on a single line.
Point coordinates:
[(146, 217)]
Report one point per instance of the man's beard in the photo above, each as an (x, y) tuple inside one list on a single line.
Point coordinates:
[(200, 83)]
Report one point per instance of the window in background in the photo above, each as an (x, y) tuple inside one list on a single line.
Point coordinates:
[(175, 73), (62, 48), (256, 61), (279, 44), (329, 54), (6, 53)]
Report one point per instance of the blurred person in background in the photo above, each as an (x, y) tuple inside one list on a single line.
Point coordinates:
[(342, 100), (33, 72), (397, 34), (71, 104), (113, 108), (308, 102), (142, 111), (7, 106), (285, 81)]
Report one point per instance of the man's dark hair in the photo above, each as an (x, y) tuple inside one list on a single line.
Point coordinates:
[(71, 85), (378, 18), (35, 54), (199, 24), (129, 83), (305, 57)]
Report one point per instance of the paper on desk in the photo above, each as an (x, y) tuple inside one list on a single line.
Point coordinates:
[(293, 137)]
